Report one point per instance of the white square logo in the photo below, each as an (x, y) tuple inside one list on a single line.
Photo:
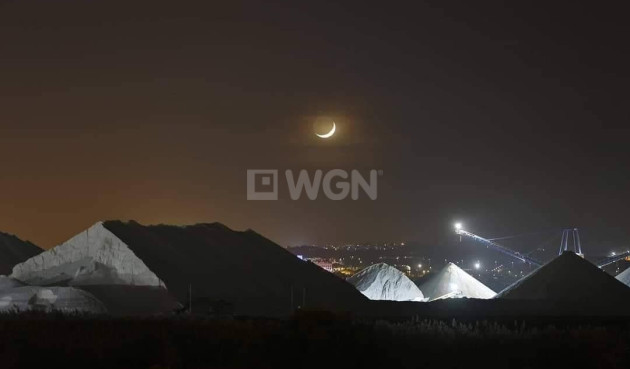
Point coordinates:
[(262, 184)]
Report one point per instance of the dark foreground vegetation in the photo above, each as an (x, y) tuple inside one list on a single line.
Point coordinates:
[(308, 340)]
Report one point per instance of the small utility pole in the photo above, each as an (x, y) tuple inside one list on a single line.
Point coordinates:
[(189, 298), (291, 309)]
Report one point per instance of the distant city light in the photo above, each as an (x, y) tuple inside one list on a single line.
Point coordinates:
[(477, 265), (419, 265)]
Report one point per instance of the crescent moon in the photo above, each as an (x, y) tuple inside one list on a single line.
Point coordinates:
[(329, 134)]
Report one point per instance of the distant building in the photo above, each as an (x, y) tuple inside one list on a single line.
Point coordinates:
[(324, 264)]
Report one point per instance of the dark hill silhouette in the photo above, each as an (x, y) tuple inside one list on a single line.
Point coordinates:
[(14, 251), (243, 269), (571, 279)]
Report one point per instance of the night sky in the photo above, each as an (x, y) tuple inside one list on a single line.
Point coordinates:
[(510, 118)]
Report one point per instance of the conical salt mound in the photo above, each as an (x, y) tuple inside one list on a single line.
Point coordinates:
[(568, 278), (143, 270), (452, 281), (624, 277), (384, 282)]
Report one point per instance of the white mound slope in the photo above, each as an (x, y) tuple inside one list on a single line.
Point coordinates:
[(384, 282), (62, 299), (452, 282), (93, 257), (624, 277), (8, 283)]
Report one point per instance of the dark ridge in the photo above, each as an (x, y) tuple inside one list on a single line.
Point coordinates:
[(214, 225), (14, 251), (210, 225), (244, 269), (570, 278)]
